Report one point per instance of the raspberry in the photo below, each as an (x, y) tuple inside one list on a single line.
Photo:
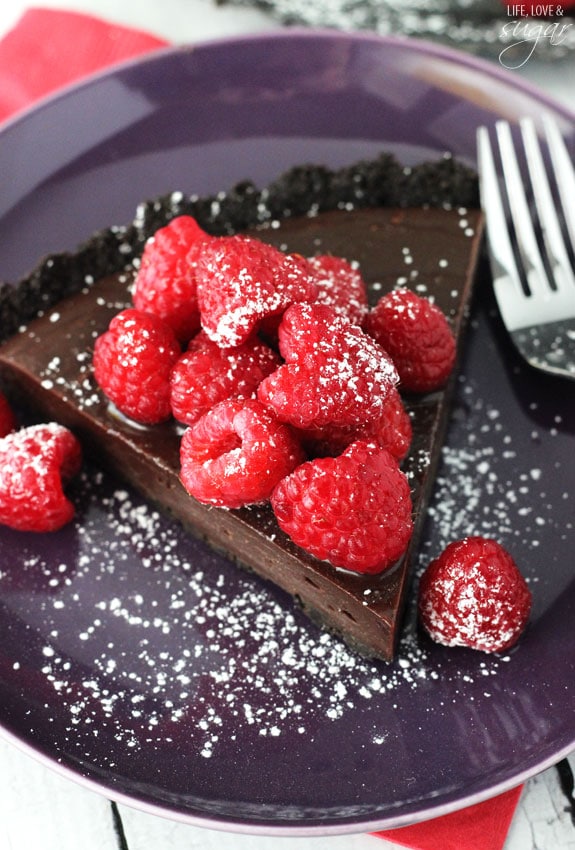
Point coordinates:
[(353, 510), (242, 282), (392, 432), (473, 595), (166, 280), (206, 374), (334, 374), (341, 286), (133, 360), (7, 417), (236, 454), (417, 336), (34, 464)]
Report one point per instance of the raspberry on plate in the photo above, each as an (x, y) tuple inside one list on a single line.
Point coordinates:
[(34, 463), (133, 361), (166, 280), (236, 454), (243, 282), (206, 374), (334, 374), (354, 510), (416, 335), (341, 286), (473, 595), (7, 417)]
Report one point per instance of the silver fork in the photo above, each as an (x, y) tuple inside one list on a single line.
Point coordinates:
[(531, 241)]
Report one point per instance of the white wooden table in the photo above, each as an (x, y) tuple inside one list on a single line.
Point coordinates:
[(42, 810)]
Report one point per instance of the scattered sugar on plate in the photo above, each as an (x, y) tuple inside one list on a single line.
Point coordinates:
[(174, 648), (187, 652)]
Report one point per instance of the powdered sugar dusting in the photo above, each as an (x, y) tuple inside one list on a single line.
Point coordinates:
[(188, 639), (175, 648), (480, 491)]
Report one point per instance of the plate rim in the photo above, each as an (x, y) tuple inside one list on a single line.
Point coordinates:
[(479, 64)]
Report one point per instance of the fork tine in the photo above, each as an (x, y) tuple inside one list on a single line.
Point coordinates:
[(546, 209), (538, 314), (506, 278), (565, 173), (520, 214)]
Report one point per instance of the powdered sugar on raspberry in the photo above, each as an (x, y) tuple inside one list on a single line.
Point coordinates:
[(35, 464), (334, 373)]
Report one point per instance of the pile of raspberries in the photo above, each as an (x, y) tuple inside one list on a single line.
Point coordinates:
[(286, 385)]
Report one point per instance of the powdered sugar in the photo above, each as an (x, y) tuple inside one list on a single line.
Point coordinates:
[(149, 638), (165, 634), (33, 462), (148, 634), (334, 375), (490, 496)]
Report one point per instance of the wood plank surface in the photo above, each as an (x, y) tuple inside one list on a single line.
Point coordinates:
[(42, 810)]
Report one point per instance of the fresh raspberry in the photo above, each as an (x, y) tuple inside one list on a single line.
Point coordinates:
[(417, 337), (206, 374), (242, 282), (334, 374), (7, 417), (341, 286), (166, 280), (353, 510), (133, 360), (34, 464), (393, 432), (473, 595), (236, 454)]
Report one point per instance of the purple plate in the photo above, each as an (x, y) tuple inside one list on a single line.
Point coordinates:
[(141, 664)]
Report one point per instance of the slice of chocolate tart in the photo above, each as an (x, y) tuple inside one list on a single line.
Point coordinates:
[(418, 227)]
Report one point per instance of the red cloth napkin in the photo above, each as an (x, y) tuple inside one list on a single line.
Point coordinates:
[(480, 827), (48, 49)]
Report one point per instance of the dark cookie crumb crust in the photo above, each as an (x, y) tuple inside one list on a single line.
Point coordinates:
[(382, 182)]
